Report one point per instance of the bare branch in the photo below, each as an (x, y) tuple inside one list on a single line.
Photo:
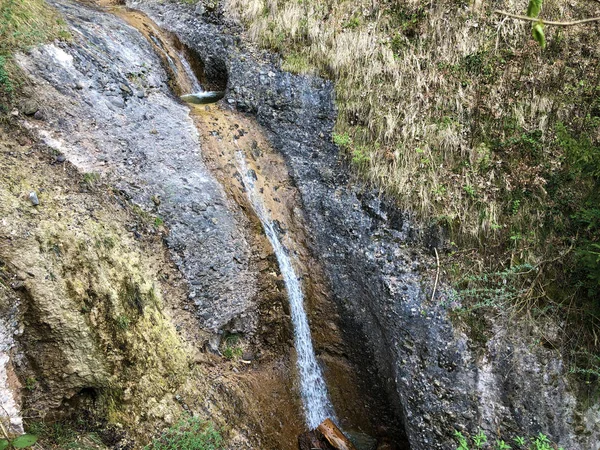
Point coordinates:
[(547, 22)]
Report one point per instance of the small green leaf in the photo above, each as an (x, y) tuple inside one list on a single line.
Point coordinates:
[(3, 444), (25, 440), (534, 8), (538, 34)]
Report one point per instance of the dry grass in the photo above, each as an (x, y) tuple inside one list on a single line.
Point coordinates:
[(419, 88), (24, 23)]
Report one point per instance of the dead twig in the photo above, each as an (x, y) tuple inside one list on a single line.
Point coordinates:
[(547, 22)]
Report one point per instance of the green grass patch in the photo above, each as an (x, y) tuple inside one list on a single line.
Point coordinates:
[(189, 433)]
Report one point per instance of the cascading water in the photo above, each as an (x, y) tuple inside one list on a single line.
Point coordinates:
[(196, 88), (315, 398), (313, 390)]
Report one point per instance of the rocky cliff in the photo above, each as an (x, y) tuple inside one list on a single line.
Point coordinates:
[(142, 258)]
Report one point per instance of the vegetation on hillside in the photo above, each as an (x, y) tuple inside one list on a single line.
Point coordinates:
[(189, 433), (24, 23), (459, 114)]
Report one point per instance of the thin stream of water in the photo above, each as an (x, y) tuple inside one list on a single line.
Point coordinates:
[(196, 88), (313, 390), (315, 398)]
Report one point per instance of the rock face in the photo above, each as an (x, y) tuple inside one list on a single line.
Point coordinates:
[(147, 146), (381, 270)]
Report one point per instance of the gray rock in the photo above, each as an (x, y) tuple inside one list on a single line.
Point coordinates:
[(29, 107), (385, 300), (152, 150), (33, 198)]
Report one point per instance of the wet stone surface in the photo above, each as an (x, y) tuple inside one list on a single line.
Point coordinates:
[(148, 147), (380, 266)]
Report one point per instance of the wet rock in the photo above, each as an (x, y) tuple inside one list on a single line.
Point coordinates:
[(376, 259), (33, 198), (152, 150)]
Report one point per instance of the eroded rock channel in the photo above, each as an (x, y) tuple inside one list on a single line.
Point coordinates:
[(112, 321), (111, 107)]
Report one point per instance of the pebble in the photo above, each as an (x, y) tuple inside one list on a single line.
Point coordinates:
[(33, 198), (38, 115)]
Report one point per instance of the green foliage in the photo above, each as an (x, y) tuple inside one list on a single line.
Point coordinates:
[(232, 349), (30, 383), (23, 441), (470, 190), (189, 433), (353, 23), (91, 178), (534, 8), (479, 440), (494, 288), (341, 140), (5, 82), (295, 63), (66, 435), (27, 23), (537, 30), (123, 322), (582, 169), (360, 156)]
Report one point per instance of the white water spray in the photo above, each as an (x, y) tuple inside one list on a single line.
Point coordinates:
[(313, 390), (190, 73)]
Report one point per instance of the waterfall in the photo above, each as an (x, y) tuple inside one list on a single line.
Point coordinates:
[(196, 88), (313, 390)]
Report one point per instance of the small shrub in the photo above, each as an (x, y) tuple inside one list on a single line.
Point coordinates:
[(123, 322), (341, 140), (189, 433), (232, 350), (480, 440), (91, 178)]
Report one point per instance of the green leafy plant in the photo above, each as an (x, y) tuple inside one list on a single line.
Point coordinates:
[(353, 23), (123, 322), (232, 350), (30, 383), (342, 140), (23, 441), (479, 440), (189, 433)]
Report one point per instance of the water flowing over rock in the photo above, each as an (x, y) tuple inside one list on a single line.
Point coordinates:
[(377, 261), (317, 406)]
